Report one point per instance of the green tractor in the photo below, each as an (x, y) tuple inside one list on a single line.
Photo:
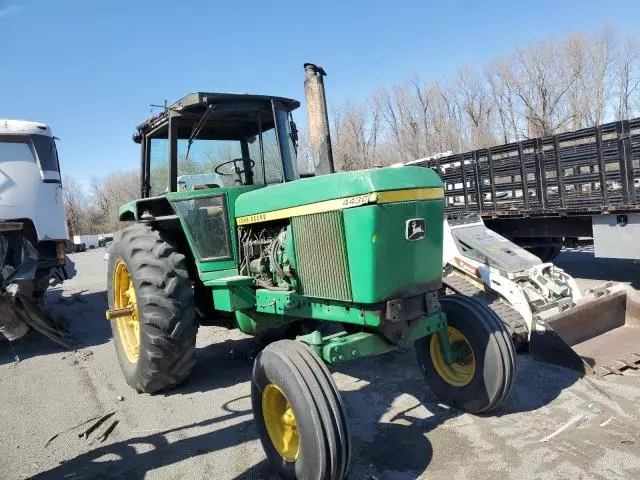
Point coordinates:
[(226, 232)]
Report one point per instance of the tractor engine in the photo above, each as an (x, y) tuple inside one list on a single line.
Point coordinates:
[(263, 256)]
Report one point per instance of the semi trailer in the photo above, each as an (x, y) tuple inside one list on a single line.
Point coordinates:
[(542, 193)]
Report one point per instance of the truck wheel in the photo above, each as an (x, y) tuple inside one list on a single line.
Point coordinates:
[(545, 248), (299, 414), (483, 380), (554, 251), (155, 344)]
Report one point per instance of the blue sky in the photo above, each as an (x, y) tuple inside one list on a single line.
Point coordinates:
[(91, 69)]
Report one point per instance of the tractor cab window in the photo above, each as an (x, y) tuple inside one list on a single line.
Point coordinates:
[(206, 222), (224, 146), (158, 176), (272, 170), (222, 159)]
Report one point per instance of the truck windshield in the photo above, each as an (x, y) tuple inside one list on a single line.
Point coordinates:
[(37, 149), (233, 148)]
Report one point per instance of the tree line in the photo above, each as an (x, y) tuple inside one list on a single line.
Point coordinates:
[(551, 86), (95, 210)]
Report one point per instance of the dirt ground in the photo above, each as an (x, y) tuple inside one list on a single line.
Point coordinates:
[(204, 429)]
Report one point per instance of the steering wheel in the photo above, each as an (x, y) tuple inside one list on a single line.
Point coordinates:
[(236, 170)]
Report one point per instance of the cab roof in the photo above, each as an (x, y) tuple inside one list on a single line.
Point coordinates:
[(197, 102), (23, 127)]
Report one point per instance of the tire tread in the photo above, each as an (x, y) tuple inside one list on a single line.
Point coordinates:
[(167, 314), (324, 405)]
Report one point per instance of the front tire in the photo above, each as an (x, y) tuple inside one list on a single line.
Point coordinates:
[(484, 379), (155, 345), (299, 413)]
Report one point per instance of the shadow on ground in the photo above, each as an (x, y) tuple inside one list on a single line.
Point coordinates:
[(233, 357), (81, 313), (385, 444), (583, 264), (99, 462)]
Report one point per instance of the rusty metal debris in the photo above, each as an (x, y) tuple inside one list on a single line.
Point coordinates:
[(33, 316), (19, 310)]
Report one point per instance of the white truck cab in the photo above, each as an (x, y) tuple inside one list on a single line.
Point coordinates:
[(30, 188)]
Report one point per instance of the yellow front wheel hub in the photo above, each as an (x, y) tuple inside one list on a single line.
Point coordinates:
[(124, 297), (458, 373), (280, 421)]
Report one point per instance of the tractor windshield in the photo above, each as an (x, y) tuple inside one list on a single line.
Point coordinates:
[(226, 148)]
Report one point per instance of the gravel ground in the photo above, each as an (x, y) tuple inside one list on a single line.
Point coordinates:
[(204, 429)]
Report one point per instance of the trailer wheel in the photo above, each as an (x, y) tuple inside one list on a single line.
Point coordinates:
[(155, 344), (484, 379), (545, 248), (299, 413)]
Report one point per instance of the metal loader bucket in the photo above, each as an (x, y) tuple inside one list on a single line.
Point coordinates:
[(599, 335)]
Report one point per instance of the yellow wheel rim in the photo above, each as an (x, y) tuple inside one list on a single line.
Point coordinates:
[(280, 422), (459, 373), (124, 296)]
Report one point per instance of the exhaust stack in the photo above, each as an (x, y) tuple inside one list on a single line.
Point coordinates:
[(318, 119)]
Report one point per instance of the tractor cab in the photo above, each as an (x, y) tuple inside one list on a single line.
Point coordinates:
[(202, 152), (243, 139)]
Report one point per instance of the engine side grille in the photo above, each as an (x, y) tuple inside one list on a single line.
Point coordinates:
[(321, 255)]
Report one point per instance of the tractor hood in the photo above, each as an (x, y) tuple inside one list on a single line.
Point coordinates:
[(344, 185)]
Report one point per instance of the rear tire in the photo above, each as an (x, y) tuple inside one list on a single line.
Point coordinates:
[(291, 383), (546, 249), (166, 313), (554, 251), (548, 253), (488, 384)]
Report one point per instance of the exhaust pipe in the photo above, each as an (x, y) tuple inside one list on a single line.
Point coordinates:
[(318, 119)]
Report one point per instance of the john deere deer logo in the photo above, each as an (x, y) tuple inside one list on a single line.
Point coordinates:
[(415, 229)]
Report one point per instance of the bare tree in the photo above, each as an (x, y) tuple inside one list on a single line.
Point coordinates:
[(355, 133), (628, 77), (475, 101), (540, 79), (505, 100), (385, 105), (374, 130), (75, 202), (424, 102), (108, 194), (575, 54), (597, 74), (305, 159)]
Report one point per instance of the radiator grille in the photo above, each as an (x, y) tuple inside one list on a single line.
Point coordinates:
[(321, 256)]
